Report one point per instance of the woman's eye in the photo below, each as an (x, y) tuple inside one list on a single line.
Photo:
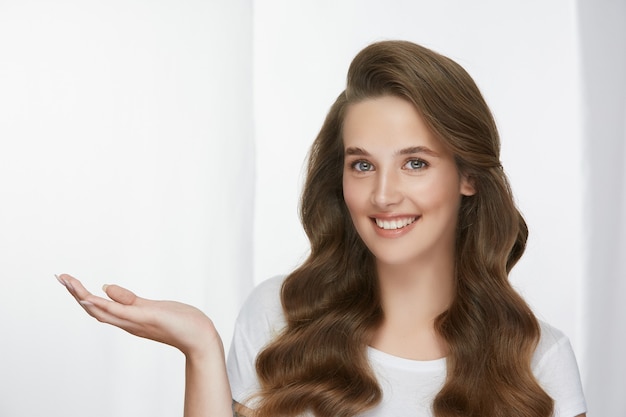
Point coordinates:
[(416, 164), (362, 166)]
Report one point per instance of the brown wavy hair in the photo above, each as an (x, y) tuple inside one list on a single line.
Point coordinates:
[(319, 364)]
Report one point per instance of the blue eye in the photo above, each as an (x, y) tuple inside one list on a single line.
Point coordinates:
[(416, 164), (362, 166)]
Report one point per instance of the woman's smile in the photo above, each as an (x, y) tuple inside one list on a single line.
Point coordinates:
[(393, 227), (392, 224)]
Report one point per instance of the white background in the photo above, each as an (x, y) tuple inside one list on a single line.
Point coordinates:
[(126, 156), (160, 145)]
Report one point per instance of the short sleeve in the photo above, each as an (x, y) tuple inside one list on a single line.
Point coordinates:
[(259, 321), (556, 370)]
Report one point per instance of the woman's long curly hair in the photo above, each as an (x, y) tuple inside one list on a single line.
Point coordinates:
[(319, 364)]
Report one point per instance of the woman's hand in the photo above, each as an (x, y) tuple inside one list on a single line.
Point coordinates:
[(207, 392), (173, 323)]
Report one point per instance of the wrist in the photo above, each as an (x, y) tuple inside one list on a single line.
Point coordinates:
[(206, 349)]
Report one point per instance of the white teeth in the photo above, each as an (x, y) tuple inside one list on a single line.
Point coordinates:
[(394, 224)]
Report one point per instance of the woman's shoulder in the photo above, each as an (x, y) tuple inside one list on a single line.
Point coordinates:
[(266, 295), (550, 338), (262, 312), (259, 321), (554, 365), (553, 344)]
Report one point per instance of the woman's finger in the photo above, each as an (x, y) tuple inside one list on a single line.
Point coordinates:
[(115, 292), (133, 319), (128, 313), (121, 295), (74, 286), (105, 316), (105, 310)]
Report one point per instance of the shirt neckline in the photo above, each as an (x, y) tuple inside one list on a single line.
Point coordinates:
[(387, 359)]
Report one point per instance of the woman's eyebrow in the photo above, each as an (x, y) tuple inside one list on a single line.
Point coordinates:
[(406, 151), (357, 151), (417, 149)]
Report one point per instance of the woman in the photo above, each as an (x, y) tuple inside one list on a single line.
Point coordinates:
[(403, 306)]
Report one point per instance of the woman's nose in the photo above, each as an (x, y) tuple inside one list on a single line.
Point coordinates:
[(387, 191)]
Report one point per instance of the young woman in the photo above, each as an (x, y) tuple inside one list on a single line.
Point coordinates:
[(403, 306)]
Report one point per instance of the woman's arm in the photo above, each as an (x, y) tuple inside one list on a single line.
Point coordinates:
[(207, 391)]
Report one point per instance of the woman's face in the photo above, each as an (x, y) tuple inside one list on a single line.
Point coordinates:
[(401, 186)]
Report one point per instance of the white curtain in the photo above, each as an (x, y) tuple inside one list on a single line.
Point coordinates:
[(603, 52), (126, 156)]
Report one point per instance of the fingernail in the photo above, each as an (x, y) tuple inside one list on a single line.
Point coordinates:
[(65, 283), (86, 303), (60, 280), (104, 287)]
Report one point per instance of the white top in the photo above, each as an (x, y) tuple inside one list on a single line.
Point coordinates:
[(408, 386)]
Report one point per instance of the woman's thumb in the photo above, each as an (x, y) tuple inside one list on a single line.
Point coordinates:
[(119, 294)]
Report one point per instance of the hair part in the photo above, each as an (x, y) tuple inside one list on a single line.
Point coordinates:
[(332, 301)]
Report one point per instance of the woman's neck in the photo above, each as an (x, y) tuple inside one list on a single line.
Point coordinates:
[(412, 297)]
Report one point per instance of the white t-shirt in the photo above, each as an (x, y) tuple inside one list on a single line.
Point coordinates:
[(408, 386)]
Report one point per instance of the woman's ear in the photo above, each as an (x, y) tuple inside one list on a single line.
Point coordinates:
[(467, 187)]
